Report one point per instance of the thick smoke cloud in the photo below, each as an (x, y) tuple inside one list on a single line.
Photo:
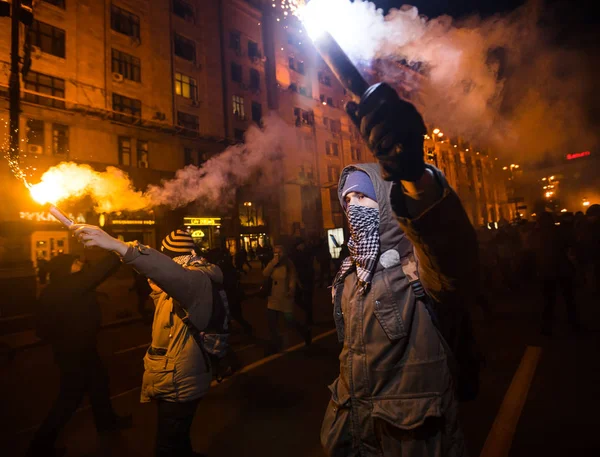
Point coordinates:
[(211, 185), (496, 81)]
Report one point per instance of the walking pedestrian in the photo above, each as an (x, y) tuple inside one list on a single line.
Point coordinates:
[(176, 372), (283, 276), (395, 395), (68, 318), (555, 270), (302, 258)]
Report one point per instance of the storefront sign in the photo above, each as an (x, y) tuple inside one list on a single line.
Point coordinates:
[(45, 216), (201, 221), (198, 234), (132, 222), (578, 155)]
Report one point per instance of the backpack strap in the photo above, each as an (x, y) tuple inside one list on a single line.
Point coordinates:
[(193, 330)]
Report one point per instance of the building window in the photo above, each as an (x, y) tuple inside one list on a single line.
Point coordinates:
[(331, 149), (326, 122), (44, 85), (125, 151), (356, 154), (130, 106), (254, 79), (48, 38), (296, 65), (238, 107), (333, 173), (253, 52), (126, 65), (188, 121), (256, 112), (324, 79), (188, 158), (238, 134), (235, 41), (185, 48), (335, 126), (124, 22), (142, 154), (60, 139), (183, 10), (202, 157), (236, 72), (330, 101), (186, 86), (35, 132), (303, 117), (302, 90), (58, 3)]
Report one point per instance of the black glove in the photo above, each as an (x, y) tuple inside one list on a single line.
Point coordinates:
[(394, 131)]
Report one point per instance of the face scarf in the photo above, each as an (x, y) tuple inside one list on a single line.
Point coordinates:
[(190, 260), (363, 246)]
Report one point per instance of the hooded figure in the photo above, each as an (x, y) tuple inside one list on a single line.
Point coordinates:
[(176, 374), (68, 317), (395, 394)]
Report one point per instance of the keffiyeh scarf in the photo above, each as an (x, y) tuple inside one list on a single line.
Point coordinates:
[(363, 246), (190, 260)]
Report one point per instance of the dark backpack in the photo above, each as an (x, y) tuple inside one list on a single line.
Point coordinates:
[(213, 340), (455, 329)]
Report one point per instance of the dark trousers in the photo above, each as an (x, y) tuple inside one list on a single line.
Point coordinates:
[(550, 289), (275, 344), (173, 428), (80, 373), (306, 302)]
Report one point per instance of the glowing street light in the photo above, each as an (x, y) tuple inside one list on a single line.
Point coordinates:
[(440, 134), (436, 131), (586, 202)]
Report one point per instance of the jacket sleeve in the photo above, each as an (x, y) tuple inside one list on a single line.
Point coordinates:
[(96, 274), (268, 271), (190, 287), (445, 244)]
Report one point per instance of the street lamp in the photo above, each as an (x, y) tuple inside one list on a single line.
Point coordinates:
[(586, 202)]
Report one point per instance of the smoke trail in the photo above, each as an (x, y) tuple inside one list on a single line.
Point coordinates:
[(496, 81), (211, 185)]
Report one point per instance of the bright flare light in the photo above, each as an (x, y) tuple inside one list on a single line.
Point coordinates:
[(333, 16), (61, 183)]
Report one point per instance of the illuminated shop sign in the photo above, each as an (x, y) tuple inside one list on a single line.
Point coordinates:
[(578, 155), (132, 222), (201, 221), (198, 234), (45, 216)]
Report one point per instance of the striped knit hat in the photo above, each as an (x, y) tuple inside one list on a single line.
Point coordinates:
[(176, 243)]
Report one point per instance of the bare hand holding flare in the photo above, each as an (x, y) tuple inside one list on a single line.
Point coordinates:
[(91, 235)]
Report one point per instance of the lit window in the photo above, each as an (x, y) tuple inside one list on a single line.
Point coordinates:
[(238, 107), (186, 86)]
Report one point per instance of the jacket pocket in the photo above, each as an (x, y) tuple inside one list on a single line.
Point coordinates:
[(158, 380), (336, 435), (387, 311)]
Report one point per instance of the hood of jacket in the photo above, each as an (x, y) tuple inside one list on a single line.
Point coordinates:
[(390, 233)]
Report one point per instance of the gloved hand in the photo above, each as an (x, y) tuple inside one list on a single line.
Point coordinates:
[(394, 131)]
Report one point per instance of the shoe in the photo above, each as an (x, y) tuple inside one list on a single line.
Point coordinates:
[(118, 423)]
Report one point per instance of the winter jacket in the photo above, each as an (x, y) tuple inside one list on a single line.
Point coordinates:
[(284, 279), (394, 395), (174, 367), (68, 315)]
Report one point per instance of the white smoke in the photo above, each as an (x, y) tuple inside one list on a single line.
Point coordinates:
[(495, 81), (211, 185)]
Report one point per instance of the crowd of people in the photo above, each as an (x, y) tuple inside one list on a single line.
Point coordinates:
[(555, 255), (405, 281)]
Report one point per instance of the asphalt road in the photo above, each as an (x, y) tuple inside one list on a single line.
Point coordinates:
[(275, 408)]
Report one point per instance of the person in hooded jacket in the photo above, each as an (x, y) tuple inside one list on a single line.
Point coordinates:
[(395, 395), (68, 318), (176, 372)]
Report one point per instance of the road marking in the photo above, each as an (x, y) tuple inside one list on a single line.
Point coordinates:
[(246, 369), (499, 440)]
